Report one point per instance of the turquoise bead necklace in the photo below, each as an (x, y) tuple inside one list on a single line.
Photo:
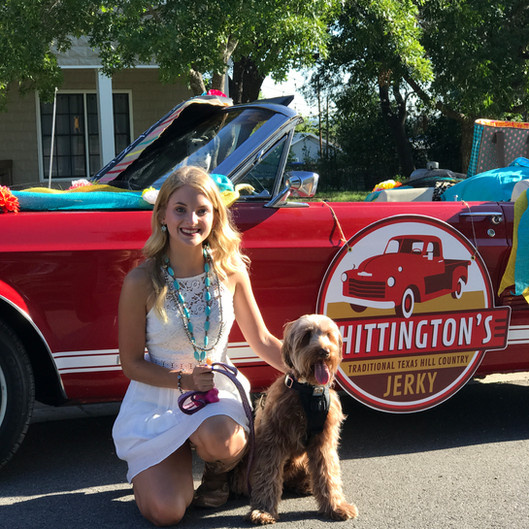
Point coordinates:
[(175, 292)]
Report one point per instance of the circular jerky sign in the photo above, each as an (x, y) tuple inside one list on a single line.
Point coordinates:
[(415, 306)]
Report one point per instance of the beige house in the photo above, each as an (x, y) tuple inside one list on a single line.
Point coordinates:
[(94, 117)]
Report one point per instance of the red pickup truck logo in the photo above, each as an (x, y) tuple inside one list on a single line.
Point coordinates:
[(414, 303), (411, 270)]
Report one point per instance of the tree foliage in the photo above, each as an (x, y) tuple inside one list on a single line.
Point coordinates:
[(463, 58), (189, 39), (30, 34), (480, 56), (374, 44), (479, 53)]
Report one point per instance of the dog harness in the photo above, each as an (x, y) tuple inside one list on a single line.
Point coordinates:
[(315, 401)]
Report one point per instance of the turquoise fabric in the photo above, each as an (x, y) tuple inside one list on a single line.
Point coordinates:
[(94, 200), (521, 268), (495, 185), (223, 182), (476, 146)]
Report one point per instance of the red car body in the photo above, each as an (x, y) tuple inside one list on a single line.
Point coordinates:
[(61, 274), (63, 271)]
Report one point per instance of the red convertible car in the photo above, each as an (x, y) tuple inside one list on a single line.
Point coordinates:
[(63, 258)]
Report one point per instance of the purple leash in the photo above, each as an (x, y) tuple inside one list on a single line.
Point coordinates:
[(192, 401)]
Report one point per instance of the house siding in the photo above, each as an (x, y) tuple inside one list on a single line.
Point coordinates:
[(150, 100), (18, 137)]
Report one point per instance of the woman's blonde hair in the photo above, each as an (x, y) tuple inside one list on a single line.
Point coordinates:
[(224, 240)]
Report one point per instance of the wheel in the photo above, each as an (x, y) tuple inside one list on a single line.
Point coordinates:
[(405, 309), (458, 292), (357, 308), (17, 393)]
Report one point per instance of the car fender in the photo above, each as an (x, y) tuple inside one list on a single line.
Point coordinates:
[(9, 294), (17, 310)]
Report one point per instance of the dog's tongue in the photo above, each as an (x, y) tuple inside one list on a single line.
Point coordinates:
[(321, 373)]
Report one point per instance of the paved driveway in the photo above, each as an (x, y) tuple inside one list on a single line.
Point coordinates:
[(464, 464)]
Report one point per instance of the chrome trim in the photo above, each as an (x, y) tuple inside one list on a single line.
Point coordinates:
[(299, 183), (496, 217)]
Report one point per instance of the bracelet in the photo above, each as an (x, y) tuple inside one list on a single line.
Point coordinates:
[(179, 383)]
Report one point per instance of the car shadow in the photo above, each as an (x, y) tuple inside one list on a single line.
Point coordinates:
[(478, 413)]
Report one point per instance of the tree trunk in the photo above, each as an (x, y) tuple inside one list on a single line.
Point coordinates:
[(396, 122), (247, 81), (218, 79), (196, 82), (467, 124), (467, 136)]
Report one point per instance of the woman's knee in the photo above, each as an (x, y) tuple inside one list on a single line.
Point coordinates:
[(164, 492), (220, 440), (161, 512)]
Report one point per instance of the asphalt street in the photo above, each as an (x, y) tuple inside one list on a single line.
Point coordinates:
[(464, 464)]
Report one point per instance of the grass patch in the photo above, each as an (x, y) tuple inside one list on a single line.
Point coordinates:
[(341, 196)]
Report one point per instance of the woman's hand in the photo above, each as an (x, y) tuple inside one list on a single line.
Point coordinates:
[(201, 379)]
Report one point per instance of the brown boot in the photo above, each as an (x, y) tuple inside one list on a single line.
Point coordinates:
[(214, 490)]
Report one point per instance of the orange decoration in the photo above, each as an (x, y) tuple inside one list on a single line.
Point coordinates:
[(386, 184), (8, 201)]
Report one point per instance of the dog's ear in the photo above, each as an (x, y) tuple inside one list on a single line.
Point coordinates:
[(340, 342), (286, 348), (338, 336)]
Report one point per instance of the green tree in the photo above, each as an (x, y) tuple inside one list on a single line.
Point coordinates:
[(194, 40), (186, 38), (463, 59), (480, 56), (374, 44), (30, 33)]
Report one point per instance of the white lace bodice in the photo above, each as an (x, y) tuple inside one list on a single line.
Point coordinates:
[(168, 343)]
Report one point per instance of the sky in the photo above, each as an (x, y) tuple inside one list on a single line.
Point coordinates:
[(290, 87)]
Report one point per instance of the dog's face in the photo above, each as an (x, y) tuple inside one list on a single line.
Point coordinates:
[(312, 348)]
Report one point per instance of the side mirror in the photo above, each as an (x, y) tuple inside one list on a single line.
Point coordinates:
[(301, 184)]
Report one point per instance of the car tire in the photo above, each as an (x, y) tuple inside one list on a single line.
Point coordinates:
[(17, 393), (458, 291), (407, 304), (358, 308)]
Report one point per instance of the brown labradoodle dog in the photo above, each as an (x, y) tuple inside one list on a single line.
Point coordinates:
[(298, 428)]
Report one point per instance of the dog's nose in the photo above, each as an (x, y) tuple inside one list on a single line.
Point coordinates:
[(325, 353)]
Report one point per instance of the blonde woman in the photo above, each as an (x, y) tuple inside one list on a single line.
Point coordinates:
[(180, 304)]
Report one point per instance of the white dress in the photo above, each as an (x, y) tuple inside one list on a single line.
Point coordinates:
[(150, 425)]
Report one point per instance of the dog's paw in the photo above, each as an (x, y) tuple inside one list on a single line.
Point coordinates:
[(344, 511), (258, 517)]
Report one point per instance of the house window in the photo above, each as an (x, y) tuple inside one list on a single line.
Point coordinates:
[(76, 145)]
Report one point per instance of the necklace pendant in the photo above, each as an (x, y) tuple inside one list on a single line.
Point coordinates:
[(200, 356)]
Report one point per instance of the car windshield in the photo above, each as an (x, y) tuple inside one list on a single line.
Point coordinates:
[(190, 141), (393, 246)]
